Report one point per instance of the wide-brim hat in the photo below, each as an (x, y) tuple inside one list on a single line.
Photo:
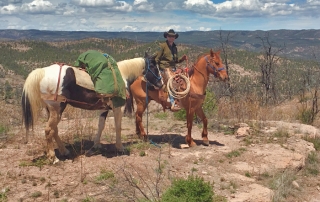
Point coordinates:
[(170, 33)]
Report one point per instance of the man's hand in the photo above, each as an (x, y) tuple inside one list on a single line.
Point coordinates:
[(184, 57)]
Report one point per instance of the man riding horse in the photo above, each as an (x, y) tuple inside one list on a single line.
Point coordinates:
[(167, 58)]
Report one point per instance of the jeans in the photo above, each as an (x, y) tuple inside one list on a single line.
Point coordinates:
[(171, 99)]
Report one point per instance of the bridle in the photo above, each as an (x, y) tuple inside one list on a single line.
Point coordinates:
[(214, 67), (157, 78)]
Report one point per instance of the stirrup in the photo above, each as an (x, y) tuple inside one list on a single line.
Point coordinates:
[(175, 107)]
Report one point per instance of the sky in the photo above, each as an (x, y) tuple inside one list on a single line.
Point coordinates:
[(159, 15)]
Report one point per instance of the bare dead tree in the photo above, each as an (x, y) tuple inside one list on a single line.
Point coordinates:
[(225, 48), (268, 68)]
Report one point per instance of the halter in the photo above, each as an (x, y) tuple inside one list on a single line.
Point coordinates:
[(148, 69), (215, 71)]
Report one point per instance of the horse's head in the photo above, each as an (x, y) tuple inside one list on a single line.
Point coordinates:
[(215, 65), (151, 72)]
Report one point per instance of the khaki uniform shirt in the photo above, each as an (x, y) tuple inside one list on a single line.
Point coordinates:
[(166, 56)]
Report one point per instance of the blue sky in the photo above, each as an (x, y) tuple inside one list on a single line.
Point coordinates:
[(159, 15)]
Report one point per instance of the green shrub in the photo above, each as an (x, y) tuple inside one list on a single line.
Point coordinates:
[(180, 115), (305, 116), (161, 115), (193, 189), (3, 128), (210, 104)]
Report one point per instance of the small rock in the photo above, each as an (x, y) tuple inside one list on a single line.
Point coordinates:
[(295, 184), (184, 146)]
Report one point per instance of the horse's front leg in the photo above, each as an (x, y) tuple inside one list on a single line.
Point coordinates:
[(141, 107), (101, 124), (117, 121), (189, 140), (204, 120)]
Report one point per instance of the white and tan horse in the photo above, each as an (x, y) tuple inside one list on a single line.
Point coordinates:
[(55, 86)]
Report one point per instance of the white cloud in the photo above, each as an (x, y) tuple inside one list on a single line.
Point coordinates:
[(156, 15), (38, 6), (10, 9), (137, 2), (94, 3), (142, 5)]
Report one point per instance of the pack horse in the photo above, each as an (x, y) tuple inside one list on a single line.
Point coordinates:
[(56, 86)]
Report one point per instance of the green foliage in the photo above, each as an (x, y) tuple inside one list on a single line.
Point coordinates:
[(3, 128), (315, 141), (104, 175), (3, 195), (235, 153), (312, 164), (193, 189), (180, 115), (210, 104), (305, 116), (39, 162), (282, 186), (161, 115)]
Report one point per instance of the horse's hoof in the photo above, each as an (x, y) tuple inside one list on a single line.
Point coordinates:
[(55, 161), (192, 144)]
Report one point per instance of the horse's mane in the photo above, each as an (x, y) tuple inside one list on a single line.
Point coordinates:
[(133, 66), (191, 70)]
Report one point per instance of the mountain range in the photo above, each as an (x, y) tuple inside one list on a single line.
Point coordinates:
[(298, 44)]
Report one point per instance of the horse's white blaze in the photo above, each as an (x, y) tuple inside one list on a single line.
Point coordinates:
[(131, 69), (48, 84)]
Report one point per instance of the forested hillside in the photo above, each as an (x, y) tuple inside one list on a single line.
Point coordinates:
[(296, 43), (264, 76)]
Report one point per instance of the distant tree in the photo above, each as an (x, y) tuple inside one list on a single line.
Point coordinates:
[(268, 68), (7, 90)]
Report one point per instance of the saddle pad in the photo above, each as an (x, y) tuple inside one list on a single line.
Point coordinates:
[(83, 79)]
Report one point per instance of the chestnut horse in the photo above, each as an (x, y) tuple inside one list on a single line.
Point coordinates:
[(55, 86), (206, 64)]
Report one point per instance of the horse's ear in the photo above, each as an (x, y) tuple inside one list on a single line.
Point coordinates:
[(211, 52)]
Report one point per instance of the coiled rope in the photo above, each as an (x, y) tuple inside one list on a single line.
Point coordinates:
[(173, 92)]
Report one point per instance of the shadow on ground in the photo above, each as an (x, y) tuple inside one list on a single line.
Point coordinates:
[(85, 147), (175, 140)]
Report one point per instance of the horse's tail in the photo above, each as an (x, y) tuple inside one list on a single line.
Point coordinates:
[(31, 98), (129, 108)]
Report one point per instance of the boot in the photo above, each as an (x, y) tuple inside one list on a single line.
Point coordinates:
[(175, 107)]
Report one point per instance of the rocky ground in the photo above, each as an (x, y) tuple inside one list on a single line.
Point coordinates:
[(266, 163)]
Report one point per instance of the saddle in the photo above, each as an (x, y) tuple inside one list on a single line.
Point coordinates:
[(178, 83)]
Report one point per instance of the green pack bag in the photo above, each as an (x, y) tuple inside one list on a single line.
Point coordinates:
[(105, 75)]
